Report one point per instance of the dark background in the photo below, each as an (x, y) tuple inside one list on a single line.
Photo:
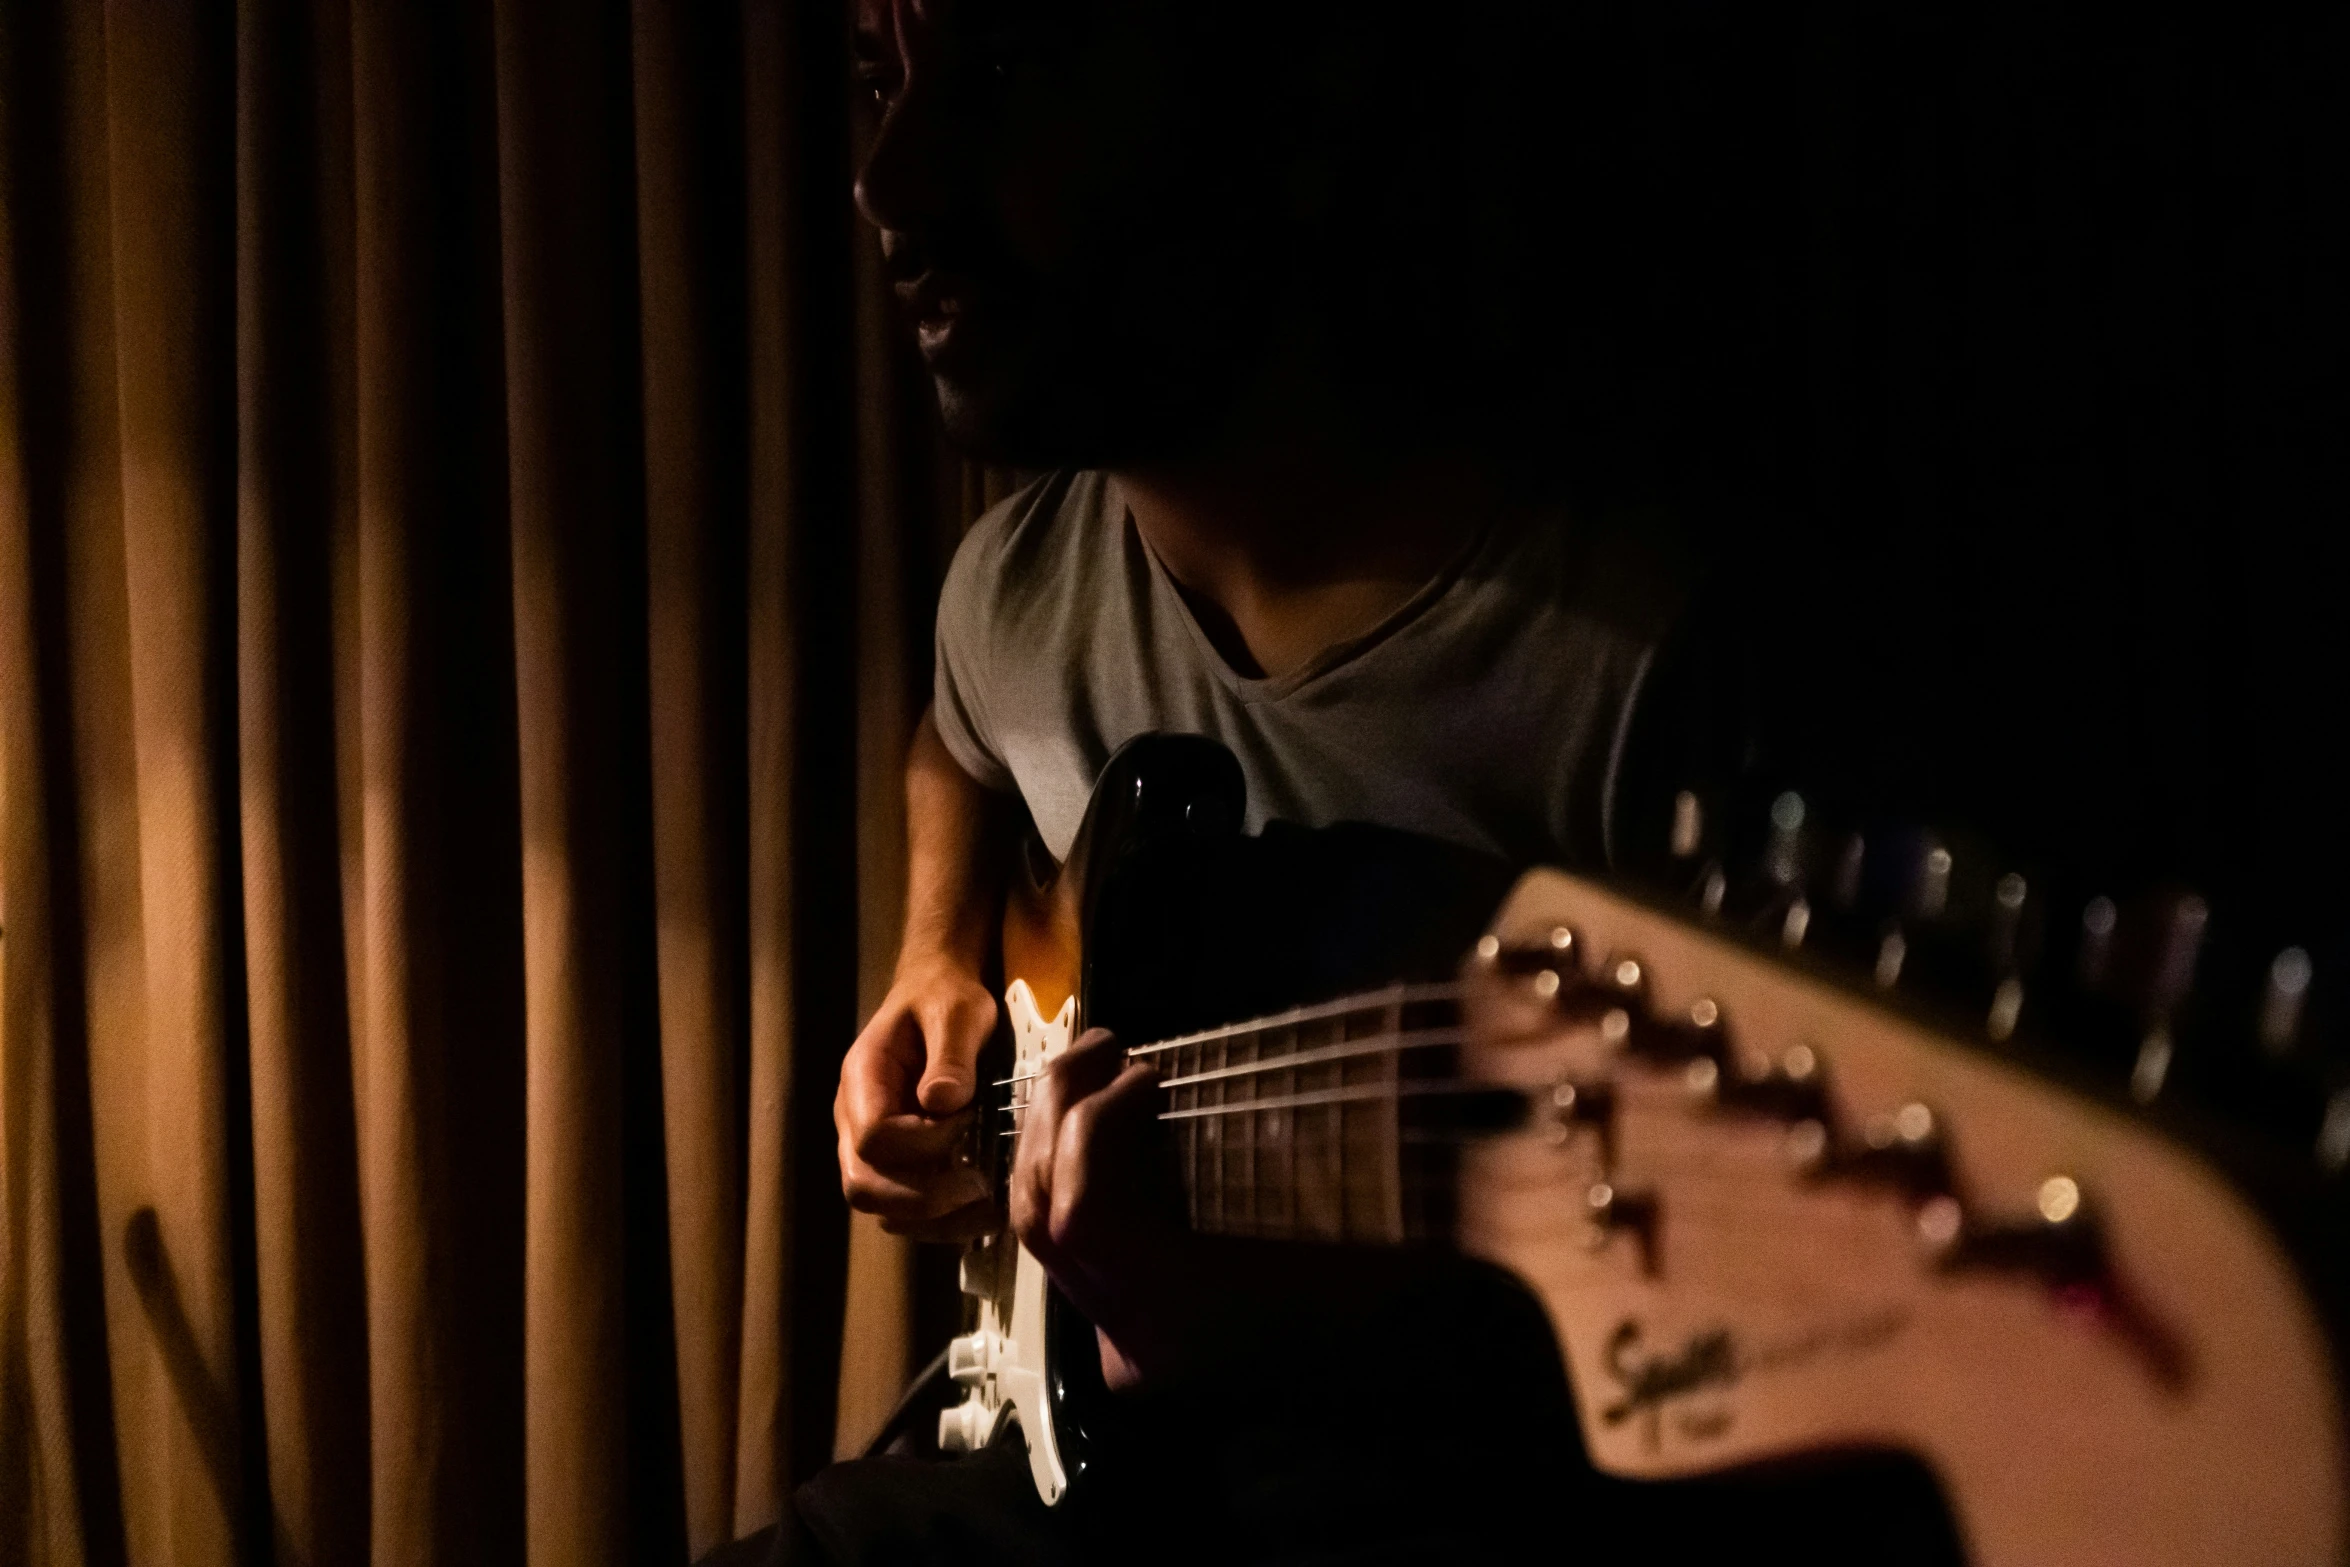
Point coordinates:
[(1999, 353)]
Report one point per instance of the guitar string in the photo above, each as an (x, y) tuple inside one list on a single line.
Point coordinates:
[(1389, 1000), (1388, 1044), (1359, 1093), (1365, 1001), (1319, 1055)]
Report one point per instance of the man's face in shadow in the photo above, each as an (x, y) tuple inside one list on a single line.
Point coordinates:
[(1074, 200)]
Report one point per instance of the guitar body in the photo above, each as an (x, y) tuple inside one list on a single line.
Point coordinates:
[(1165, 918), (1159, 795)]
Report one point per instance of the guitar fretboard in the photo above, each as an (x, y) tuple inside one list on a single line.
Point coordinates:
[(1301, 1126)]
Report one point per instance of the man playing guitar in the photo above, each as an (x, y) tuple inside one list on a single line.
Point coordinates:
[(1211, 268)]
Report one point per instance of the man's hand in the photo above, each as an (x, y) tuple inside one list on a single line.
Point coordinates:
[(1090, 1199), (904, 1108)]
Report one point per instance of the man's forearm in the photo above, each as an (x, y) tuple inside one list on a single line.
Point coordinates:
[(957, 837)]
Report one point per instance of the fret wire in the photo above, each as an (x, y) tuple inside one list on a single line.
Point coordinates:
[(1338, 1147), (1289, 1152), (1367, 1001), (1394, 1147), (1191, 1135), (1214, 1129), (1248, 1152)]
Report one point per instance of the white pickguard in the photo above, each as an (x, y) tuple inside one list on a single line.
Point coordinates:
[(1000, 1364)]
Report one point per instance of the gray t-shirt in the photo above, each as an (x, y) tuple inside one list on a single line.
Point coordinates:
[(1490, 710)]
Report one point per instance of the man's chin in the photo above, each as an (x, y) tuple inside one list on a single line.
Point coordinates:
[(1016, 428), (995, 424)]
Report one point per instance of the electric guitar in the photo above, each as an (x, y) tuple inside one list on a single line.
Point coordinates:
[(1764, 1215)]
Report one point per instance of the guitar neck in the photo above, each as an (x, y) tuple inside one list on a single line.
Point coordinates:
[(1328, 1123)]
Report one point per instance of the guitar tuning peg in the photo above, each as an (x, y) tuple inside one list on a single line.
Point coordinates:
[(1612, 1210), (2152, 1068), (1933, 888), (2099, 918), (1699, 1036), (1578, 1103), (1791, 1089), (2007, 918), (1558, 951), (2007, 1007), (1904, 1150), (2182, 943), (2059, 1241), (1807, 1146), (1688, 834), (1892, 952), (2282, 998), (2333, 1134), (1780, 859), (1844, 890)]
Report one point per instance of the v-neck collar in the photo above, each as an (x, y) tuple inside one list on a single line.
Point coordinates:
[(1339, 654)]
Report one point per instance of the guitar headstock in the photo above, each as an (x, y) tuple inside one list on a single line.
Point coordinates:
[(1770, 1216)]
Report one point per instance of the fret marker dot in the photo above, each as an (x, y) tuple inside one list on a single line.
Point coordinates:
[(1705, 1013), (1546, 983), (1561, 938), (1628, 973)]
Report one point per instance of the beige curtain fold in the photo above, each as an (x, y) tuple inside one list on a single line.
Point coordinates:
[(468, 530)]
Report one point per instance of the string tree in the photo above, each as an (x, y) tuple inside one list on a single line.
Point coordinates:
[(2284, 994)]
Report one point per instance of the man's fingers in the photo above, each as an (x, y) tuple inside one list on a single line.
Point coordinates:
[(953, 1033), (933, 1194), (1101, 1137), (876, 1075), (966, 1223), (908, 1144)]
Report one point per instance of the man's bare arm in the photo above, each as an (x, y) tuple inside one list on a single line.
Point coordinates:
[(906, 1084)]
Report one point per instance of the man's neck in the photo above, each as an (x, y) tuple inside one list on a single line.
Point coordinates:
[(1282, 555)]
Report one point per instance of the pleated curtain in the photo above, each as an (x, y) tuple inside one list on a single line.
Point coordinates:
[(468, 532)]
